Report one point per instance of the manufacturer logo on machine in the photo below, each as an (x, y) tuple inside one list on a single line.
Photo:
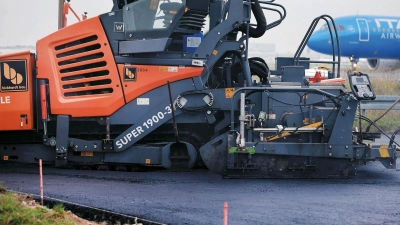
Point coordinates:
[(119, 27), (130, 74), (13, 76)]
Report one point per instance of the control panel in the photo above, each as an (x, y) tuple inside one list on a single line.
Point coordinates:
[(361, 86)]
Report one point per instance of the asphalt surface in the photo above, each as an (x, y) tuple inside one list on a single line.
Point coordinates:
[(197, 197)]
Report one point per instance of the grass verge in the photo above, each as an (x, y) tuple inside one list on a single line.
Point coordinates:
[(22, 209)]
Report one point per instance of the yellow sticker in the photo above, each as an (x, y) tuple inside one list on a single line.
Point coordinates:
[(5, 157), (215, 52), (163, 69), (229, 92), (86, 153), (383, 150), (171, 69), (147, 161)]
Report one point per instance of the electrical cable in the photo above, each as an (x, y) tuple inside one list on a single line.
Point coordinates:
[(384, 113), (377, 127), (193, 110), (329, 99)]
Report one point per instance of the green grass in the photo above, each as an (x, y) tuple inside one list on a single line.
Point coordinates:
[(12, 211), (386, 86), (389, 123)]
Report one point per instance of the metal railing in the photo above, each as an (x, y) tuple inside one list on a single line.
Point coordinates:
[(382, 102)]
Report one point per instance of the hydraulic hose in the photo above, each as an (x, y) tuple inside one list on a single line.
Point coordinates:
[(261, 21)]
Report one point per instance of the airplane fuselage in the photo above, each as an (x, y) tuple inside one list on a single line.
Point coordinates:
[(371, 37)]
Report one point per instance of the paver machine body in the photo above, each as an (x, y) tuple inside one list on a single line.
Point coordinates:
[(146, 85)]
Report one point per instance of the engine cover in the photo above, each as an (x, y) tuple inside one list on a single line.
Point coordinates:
[(383, 64)]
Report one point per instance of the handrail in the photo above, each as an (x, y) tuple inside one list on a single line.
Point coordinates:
[(67, 8), (308, 35), (282, 14)]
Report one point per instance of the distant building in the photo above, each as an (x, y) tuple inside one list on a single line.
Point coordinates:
[(17, 48), (263, 48)]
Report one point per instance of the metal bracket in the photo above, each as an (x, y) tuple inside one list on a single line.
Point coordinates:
[(62, 141)]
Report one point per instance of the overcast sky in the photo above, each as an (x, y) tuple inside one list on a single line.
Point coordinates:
[(23, 22)]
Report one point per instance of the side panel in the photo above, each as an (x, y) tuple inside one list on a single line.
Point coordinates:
[(139, 79), (81, 71), (16, 106)]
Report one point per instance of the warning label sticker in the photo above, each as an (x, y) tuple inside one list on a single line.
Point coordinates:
[(229, 92)]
